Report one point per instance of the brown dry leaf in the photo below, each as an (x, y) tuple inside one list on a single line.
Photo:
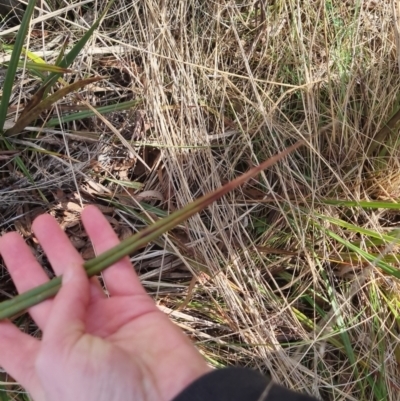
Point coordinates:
[(123, 65), (39, 33), (124, 174), (150, 195), (88, 252), (126, 164), (112, 221), (125, 232), (77, 242), (21, 227), (73, 207), (88, 190), (69, 220), (96, 188), (105, 209), (59, 195), (35, 100), (24, 224)]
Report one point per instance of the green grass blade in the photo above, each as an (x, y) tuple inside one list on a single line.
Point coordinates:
[(43, 67), (89, 113), (365, 255), (30, 298), (23, 168), (13, 64), (355, 257), (4, 393), (62, 51), (69, 58), (360, 230), (363, 204), (342, 328)]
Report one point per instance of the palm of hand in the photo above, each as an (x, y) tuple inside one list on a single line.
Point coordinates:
[(93, 347)]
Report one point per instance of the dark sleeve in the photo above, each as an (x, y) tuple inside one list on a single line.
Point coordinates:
[(237, 384)]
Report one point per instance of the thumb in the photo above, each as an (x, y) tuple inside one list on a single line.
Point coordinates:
[(66, 322)]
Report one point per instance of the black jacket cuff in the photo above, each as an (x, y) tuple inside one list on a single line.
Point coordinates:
[(237, 384)]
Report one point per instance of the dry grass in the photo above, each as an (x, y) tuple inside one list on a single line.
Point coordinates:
[(221, 86)]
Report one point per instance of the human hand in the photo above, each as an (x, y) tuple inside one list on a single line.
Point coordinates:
[(93, 347)]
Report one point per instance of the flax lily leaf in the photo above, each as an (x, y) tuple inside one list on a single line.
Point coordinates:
[(43, 67), (94, 266), (63, 49), (69, 58), (13, 64)]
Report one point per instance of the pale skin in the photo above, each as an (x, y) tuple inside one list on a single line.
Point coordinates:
[(93, 347)]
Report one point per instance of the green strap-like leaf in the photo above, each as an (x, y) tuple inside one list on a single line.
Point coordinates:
[(13, 64), (43, 67), (69, 58)]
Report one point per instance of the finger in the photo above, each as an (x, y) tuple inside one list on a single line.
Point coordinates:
[(18, 352), (25, 272), (120, 278), (55, 243), (66, 323), (59, 250)]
